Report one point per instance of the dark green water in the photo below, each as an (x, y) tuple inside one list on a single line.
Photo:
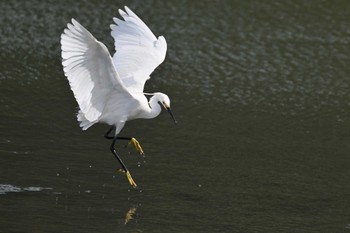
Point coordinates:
[(261, 91)]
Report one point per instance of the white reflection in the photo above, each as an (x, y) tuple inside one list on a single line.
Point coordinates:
[(9, 188)]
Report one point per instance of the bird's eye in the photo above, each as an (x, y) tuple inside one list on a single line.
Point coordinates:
[(163, 104)]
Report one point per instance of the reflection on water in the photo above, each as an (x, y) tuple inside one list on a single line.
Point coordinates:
[(130, 215), (6, 188), (9, 188)]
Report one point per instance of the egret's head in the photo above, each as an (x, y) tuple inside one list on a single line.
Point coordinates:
[(164, 101)]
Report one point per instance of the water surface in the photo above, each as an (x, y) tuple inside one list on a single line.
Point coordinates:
[(261, 93)]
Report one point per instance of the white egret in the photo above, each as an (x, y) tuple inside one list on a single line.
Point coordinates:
[(110, 90)]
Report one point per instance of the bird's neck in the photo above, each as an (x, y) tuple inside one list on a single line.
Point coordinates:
[(155, 108)]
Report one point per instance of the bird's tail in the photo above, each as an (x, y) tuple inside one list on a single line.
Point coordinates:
[(84, 123)]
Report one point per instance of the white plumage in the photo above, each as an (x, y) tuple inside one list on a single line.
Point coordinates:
[(139, 52), (110, 90)]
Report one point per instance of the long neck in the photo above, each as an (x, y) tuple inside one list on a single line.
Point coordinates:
[(155, 108)]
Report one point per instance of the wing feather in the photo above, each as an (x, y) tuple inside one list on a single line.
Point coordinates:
[(89, 69), (138, 51)]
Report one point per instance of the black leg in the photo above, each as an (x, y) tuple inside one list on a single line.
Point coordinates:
[(111, 137), (126, 171), (126, 139), (116, 155), (108, 132), (137, 146)]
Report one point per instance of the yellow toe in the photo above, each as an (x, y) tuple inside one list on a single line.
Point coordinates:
[(130, 179), (136, 145)]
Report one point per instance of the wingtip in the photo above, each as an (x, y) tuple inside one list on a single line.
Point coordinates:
[(76, 23), (121, 12), (128, 11), (73, 23)]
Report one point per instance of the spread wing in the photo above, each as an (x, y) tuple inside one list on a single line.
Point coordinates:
[(138, 51), (89, 69)]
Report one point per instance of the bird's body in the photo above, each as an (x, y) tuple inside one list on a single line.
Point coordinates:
[(138, 107), (110, 90)]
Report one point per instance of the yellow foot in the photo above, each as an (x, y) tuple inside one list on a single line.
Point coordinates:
[(136, 145), (128, 175)]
